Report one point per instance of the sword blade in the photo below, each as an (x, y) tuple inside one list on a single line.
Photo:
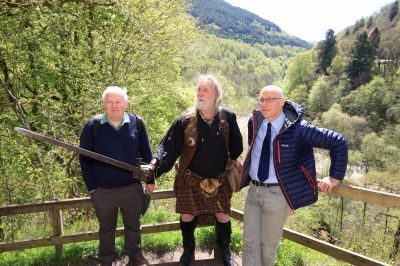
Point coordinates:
[(81, 151)]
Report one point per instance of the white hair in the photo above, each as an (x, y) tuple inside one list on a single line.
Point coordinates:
[(115, 90), (273, 88), (216, 85)]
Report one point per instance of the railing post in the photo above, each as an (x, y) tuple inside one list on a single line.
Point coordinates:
[(58, 230)]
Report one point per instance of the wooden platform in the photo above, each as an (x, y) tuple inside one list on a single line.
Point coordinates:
[(202, 259)]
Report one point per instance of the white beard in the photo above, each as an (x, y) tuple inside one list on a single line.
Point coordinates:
[(205, 105)]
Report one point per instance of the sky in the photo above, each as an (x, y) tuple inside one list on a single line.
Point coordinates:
[(311, 19)]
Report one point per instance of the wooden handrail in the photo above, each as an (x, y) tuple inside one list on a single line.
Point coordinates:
[(67, 204), (367, 195), (349, 192), (58, 238)]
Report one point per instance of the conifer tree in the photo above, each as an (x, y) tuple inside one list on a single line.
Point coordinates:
[(361, 60), (326, 52), (374, 38), (394, 10), (370, 22)]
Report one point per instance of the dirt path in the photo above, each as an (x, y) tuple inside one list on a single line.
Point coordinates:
[(203, 258)]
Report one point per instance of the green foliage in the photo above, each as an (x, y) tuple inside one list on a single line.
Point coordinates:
[(289, 254), (162, 243), (371, 101), (377, 154), (321, 96), (352, 127), (299, 95), (301, 71), (55, 60)]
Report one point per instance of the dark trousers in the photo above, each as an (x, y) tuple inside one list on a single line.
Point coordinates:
[(106, 202)]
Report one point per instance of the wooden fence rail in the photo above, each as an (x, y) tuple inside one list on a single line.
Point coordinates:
[(59, 238)]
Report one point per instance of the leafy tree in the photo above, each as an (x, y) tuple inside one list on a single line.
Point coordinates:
[(352, 127), (376, 154), (55, 60), (321, 96), (299, 95), (327, 52), (301, 71), (371, 101)]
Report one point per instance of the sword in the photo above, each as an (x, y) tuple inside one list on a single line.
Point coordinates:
[(137, 173)]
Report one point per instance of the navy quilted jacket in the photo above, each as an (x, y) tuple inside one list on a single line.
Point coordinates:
[(294, 157)]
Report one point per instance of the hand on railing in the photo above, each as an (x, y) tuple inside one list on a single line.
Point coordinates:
[(326, 184)]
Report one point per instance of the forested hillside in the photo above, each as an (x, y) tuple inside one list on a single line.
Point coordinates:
[(224, 20), (56, 57), (350, 82)]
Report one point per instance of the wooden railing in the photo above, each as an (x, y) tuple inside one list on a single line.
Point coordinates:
[(59, 238)]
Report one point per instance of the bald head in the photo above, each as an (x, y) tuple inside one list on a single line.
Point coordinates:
[(273, 88), (271, 101)]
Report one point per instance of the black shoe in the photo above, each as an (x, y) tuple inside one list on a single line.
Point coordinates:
[(187, 258)]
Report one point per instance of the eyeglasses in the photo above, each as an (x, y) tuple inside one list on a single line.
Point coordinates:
[(268, 100)]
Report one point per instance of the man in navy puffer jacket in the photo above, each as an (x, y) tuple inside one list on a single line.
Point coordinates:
[(280, 168)]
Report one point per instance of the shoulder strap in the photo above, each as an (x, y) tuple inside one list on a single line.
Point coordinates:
[(140, 124), (224, 129), (190, 140), (96, 124)]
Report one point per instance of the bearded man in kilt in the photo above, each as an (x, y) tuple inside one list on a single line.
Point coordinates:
[(206, 139)]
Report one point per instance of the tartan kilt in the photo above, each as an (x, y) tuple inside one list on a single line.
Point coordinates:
[(190, 198)]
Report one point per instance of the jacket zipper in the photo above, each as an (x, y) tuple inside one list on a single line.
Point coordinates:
[(279, 152), (277, 172)]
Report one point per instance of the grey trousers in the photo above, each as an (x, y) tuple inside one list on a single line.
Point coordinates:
[(106, 202), (265, 213)]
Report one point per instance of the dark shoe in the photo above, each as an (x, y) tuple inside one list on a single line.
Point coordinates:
[(187, 258), (138, 260)]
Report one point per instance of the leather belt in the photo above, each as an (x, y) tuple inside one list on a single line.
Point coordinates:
[(259, 184)]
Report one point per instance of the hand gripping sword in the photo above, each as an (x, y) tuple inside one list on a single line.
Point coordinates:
[(137, 173)]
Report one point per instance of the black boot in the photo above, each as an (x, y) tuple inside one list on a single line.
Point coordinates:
[(187, 229), (223, 232)]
